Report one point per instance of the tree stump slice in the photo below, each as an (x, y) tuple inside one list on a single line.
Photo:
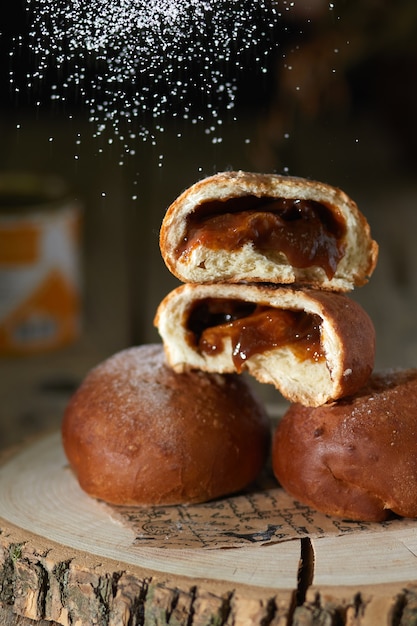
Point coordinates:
[(258, 558)]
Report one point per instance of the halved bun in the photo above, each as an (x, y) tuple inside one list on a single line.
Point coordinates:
[(314, 346), (355, 458), (137, 433), (265, 228)]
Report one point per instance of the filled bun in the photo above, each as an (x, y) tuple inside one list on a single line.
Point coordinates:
[(137, 433), (355, 458), (265, 228), (313, 346)]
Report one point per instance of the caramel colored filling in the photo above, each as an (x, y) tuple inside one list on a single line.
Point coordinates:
[(253, 329), (307, 232)]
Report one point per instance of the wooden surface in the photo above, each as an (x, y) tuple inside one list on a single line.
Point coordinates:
[(69, 559)]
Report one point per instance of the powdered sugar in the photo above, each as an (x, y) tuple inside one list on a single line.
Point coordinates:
[(132, 60)]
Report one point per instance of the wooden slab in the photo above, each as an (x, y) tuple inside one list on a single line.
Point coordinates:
[(255, 558)]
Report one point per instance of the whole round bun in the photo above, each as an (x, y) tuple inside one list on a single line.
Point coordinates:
[(137, 433), (355, 458)]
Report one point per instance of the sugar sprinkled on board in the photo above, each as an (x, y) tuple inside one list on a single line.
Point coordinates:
[(133, 61)]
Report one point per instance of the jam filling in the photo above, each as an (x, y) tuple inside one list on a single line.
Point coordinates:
[(307, 232), (253, 329)]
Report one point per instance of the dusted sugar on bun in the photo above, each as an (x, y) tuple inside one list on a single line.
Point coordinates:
[(313, 346), (265, 228), (137, 433), (355, 458)]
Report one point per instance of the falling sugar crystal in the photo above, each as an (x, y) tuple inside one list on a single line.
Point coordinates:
[(140, 60)]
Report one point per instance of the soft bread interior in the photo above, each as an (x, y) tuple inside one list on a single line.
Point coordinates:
[(305, 381), (206, 265), (309, 382), (298, 376), (346, 233)]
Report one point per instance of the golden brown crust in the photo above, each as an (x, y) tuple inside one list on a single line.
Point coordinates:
[(355, 458), (136, 432), (348, 339), (248, 264)]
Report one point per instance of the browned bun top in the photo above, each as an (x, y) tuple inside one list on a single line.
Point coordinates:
[(355, 458), (136, 432)]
